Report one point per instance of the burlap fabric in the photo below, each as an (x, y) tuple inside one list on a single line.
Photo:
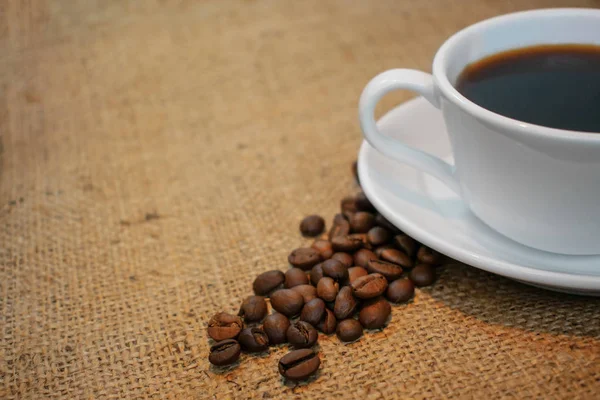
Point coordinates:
[(156, 156)]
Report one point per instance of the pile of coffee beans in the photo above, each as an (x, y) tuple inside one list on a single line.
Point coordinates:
[(343, 283)]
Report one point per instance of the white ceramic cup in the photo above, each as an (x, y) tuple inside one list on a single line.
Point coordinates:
[(536, 185)]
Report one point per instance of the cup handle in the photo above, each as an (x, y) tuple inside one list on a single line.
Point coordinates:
[(421, 83)]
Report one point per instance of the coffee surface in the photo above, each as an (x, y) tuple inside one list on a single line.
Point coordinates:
[(557, 86)]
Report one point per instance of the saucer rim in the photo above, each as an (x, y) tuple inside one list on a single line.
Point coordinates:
[(579, 282)]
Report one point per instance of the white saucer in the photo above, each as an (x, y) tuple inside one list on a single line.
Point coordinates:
[(427, 210)]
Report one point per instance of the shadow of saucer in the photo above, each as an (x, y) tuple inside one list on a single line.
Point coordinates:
[(497, 300)]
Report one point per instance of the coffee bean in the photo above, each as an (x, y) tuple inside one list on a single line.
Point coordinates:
[(253, 309), (422, 275), (312, 225), (384, 223), (362, 222), (348, 206), (407, 244), (304, 258), (225, 352), (346, 243), (389, 270), (307, 292), (327, 289), (356, 272), (313, 311), (224, 326), (328, 322), (400, 290), (335, 270), (344, 258), (375, 313), (276, 326), (287, 301), (299, 364), (363, 256), (378, 236), (345, 304), (295, 277), (349, 330), (397, 257), (324, 248), (254, 340), (302, 334), (381, 249), (316, 273), (339, 227), (363, 238), (429, 256), (268, 281), (355, 172), (369, 286), (363, 203)]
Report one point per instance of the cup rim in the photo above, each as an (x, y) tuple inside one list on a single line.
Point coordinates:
[(498, 120)]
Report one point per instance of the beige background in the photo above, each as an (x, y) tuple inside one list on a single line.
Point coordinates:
[(156, 155)]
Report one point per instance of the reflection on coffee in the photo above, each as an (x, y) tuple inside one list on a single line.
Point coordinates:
[(557, 86)]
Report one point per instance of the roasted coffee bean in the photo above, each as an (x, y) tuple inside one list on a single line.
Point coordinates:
[(344, 258), (308, 292), (302, 334), (324, 248), (313, 225), (335, 270), (381, 249), (276, 326), (253, 340), (313, 311), (304, 258), (363, 203), (429, 256), (375, 313), (327, 289), (224, 352), (345, 304), (397, 257), (363, 256), (253, 309), (349, 330), (348, 206), (328, 322), (339, 227), (369, 286), (295, 277), (355, 172), (287, 301), (346, 243), (407, 244), (224, 326), (299, 364), (362, 222), (268, 281), (364, 239), (378, 236), (400, 290), (384, 223), (356, 272), (390, 270), (316, 273), (422, 275)]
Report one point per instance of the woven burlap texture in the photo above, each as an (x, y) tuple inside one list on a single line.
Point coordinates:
[(156, 156)]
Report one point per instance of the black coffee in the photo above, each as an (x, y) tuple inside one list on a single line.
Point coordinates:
[(557, 86)]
